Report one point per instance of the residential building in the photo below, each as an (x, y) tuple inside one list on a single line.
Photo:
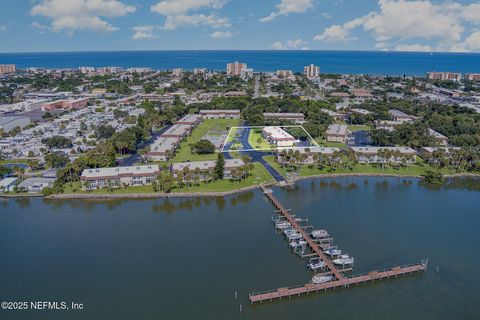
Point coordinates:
[(472, 76), (86, 70), (118, 177), (36, 185), (361, 112), (190, 119), (336, 133), (335, 115), (7, 68), (236, 68), (65, 104), (200, 71), (398, 115), (387, 124), (205, 167), (292, 117), (163, 149), (444, 76), (311, 71), (278, 137), (220, 114), (177, 72), (8, 123), (362, 93), (7, 184), (139, 70), (179, 131), (284, 73), (384, 154), (310, 154), (438, 137)]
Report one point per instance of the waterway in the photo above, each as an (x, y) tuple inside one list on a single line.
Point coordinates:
[(185, 258)]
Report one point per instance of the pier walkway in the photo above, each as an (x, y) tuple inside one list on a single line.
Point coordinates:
[(341, 281)]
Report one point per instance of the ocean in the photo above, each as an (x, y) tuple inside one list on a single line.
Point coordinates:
[(345, 62)]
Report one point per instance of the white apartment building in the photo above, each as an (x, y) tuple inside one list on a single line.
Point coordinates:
[(311, 71), (278, 137)]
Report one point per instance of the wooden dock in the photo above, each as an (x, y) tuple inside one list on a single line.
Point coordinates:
[(340, 280)]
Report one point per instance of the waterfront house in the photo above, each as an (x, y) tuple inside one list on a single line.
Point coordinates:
[(36, 185)]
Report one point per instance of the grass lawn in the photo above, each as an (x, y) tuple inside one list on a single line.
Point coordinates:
[(327, 144), (184, 153), (411, 170), (258, 176), (355, 128), (255, 136)]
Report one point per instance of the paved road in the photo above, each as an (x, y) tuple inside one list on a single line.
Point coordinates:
[(134, 158), (257, 156)]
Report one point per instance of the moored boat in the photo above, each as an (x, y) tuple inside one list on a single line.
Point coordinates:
[(318, 279), (343, 260)]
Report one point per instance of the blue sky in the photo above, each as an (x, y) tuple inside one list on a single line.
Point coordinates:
[(88, 25)]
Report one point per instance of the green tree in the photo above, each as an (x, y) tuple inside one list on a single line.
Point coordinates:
[(219, 169)]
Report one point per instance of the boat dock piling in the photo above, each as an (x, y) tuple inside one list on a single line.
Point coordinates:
[(340, 281)]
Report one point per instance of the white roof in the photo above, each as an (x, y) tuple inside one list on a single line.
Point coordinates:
[(7, 182), (278, 133), (116, 171)]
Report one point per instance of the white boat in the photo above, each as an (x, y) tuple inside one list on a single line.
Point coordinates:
[(318, 279), (289, 231), (297, 244), (319, 234), (283, 225), (316, 264), (294, 236), (333, 252), (343, 260)]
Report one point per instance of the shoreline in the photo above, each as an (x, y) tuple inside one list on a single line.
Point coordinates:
[(222, 193)]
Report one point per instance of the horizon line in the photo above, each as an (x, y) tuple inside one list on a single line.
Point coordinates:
[(238, 50)]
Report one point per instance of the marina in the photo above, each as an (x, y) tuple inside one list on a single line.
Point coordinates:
[(329, 274)]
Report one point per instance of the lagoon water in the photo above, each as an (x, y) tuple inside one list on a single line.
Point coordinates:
[(185, 258), (348, 62)]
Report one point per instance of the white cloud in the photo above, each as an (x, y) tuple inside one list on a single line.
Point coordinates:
[(285, 7), (40, 27), (297, 44), (73, 15), (181, 13), (333, 33), (3, 28), (221, 35), (398, 21), (145, 32), (277, 46), (413, 48)]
